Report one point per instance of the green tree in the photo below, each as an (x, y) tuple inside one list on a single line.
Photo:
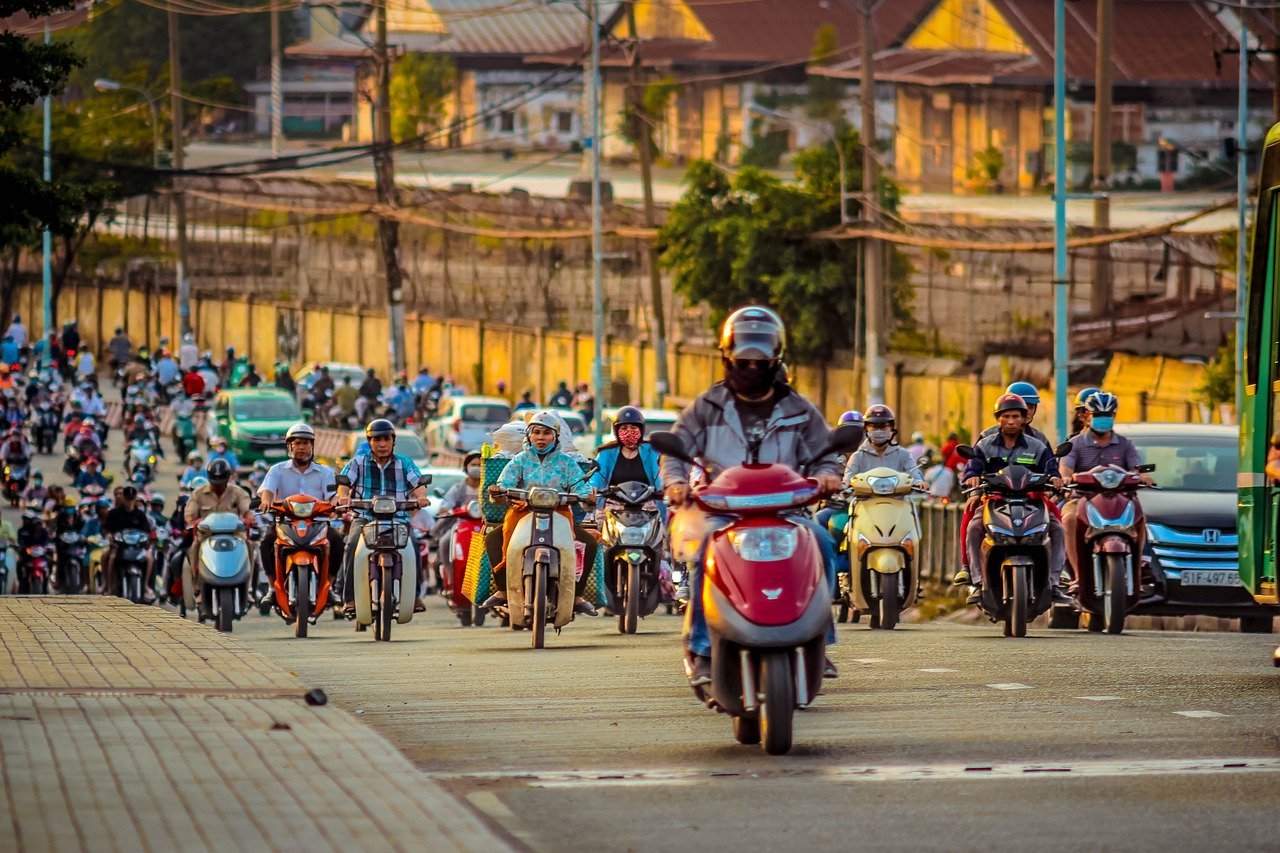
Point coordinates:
[(750, 238), (420, 84), (1220, 376), (823, 95), (655, 99)]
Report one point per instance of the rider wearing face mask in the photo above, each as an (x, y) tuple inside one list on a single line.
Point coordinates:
[(464, 491), (879, 449), (630, 458)]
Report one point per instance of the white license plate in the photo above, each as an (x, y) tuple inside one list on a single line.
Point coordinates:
[(1201, 577)]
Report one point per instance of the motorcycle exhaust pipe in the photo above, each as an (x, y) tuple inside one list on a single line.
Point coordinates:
[(748, 681)]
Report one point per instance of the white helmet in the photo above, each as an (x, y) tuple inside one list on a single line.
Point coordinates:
[(300, 430), (545, 419)]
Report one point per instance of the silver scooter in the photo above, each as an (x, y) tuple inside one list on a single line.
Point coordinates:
[(225, 567)]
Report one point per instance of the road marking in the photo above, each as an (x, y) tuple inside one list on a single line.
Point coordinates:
[(863, 773), (1200, 714), (1101, 698), (1010, 685), (939, 669), (870, 660), (488, 803)]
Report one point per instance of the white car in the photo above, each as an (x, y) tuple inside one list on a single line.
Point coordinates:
[(463, 423)]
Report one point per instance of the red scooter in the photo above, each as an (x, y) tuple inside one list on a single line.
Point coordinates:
[(764, 592), (452, 556), (1106, 551)]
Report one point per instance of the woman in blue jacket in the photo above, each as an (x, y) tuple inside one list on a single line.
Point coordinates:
[(628, 459)]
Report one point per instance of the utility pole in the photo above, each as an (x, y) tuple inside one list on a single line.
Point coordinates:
[(46, 236), (1102, 297), (643, 129), (592, 87), (1061, 306), (179, 202), (385, 172), (1242, 204), (873, 258), (277, 86)]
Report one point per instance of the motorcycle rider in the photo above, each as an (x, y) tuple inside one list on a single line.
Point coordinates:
[(400, 399), (195, 468), (369, 392), (879, 450), (17, 331), (35, 492), (345, 398), (629, 458), (251, 378), (17, 450), (188, 352), (753, 405), (91, 475), (1080, 416), (1013, 445), (323, 384), (218, 495), (382, 471), (31, 533), (543, 462), (465, 491), (127, 515), (218, 450), (284, 379), (257, 475), (300, 474)]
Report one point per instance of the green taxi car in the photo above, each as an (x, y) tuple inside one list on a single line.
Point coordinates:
[(254, 421)]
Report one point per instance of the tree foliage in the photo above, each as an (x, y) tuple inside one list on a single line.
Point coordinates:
[(1220, 376), (420, 84), (750, 238), (637, 124), (823, 95)]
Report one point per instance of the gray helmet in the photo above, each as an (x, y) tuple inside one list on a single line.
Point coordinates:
[(300, 430)]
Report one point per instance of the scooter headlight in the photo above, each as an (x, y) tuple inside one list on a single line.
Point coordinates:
[(882, 485), (543, 498), (633, 535), (764, 544), (1109, 478), (1100, 522)]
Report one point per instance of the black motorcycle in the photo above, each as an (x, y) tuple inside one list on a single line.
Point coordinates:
[(633, 537), (44, 429), (132, 548), (72, 552)]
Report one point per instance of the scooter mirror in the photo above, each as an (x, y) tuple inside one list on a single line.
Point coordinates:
[(1062, 449), (964, 451), (844, 439), (670, 444), (342, 480), (1147, 469)]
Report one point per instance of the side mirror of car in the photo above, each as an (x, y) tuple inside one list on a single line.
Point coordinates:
[(670, 444)]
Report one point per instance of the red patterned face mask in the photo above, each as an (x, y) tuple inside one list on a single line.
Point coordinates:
[(629, 436)]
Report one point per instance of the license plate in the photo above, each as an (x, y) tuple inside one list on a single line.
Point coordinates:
[(1201, 577)]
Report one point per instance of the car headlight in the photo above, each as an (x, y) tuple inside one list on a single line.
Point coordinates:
[(1100, 522), (764, 544)]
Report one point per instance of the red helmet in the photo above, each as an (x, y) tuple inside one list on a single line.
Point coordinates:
[(1010, 403)]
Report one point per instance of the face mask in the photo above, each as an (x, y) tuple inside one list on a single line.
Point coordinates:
[(1101, 424), (880, 436), (473, 471), (750, 381), (544, 451), (629, 438)]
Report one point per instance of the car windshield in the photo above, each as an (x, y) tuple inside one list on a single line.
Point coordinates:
[(264, 409), (443, 481), (406, 445), (1191, 463), (485, 413)]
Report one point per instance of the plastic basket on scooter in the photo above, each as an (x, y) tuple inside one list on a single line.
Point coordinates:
[(477, 580), (490, 469), (594, 590)]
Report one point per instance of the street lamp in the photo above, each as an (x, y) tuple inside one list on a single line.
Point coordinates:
[(106, 84)]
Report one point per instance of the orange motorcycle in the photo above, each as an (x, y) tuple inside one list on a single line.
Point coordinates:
[(301, 584)]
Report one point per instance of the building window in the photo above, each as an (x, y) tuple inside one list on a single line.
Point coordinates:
[(507, 121), (564, 121)]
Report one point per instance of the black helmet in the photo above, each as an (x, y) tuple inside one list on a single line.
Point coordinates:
[(219, 471), (381, 426), (629, 415), (753, 332), (878, 414)]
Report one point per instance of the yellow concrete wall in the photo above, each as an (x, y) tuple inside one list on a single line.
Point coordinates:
[(907, 155), (346, 338), (317, 342), (496, 357), (435, 346), (464, 352), (712, 105), (375, 342), (966, 25), (263, 346)]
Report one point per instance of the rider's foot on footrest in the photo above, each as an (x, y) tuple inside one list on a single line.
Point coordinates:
[(701, 671), (581, 605), (961, 578), (975, 595), (829, 669)]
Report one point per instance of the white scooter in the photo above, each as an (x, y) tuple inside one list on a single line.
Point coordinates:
[(383, 566)]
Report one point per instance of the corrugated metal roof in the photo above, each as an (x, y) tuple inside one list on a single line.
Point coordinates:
[(512, 27)]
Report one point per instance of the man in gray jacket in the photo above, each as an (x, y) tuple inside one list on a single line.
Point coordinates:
[(752, 414)]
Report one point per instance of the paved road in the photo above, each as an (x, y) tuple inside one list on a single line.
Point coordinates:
[(935, 737)]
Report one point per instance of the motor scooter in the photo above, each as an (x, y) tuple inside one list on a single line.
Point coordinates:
[(132, 548), (634, 538), (764, 590), (224, 569), (1106, 552), (301, 582), (1017, 584), (6, 567), (382, 566), (34, 568), (44, 428), (883, 533), (15, 481), (451, 562), (73, 556)]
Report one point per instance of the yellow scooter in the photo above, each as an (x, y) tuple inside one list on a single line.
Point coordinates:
[(884, 533)]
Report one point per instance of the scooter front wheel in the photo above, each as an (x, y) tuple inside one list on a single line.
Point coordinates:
[(777, 683), (539, 626), (1115, 596)]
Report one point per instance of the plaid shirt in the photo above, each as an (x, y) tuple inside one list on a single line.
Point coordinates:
[(396, 479)]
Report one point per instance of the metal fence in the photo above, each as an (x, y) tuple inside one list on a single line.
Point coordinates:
[(939, 553)]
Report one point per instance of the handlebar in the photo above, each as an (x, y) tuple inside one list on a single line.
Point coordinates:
[(361, 503), (564, 498)]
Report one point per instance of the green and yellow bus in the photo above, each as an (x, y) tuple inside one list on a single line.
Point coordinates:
[(1259, 496)]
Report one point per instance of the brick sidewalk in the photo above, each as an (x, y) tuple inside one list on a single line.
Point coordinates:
[(126, 728)]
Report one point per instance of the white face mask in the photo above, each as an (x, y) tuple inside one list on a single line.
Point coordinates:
[(880, 436), (473, 471)]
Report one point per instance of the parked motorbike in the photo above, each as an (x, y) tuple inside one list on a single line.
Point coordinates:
[(1017, 584), (883, 533), (224, 569), (301, 582), (1106, 552), (634, 541), (383, 566), (15, 481), (764, 591), (452, 554)]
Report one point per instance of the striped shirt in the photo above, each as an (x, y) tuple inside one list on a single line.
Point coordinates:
[(1086, 454)]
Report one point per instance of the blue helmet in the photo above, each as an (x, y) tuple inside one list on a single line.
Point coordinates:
[(1102, 403), (1026, 391), (851, 417)]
